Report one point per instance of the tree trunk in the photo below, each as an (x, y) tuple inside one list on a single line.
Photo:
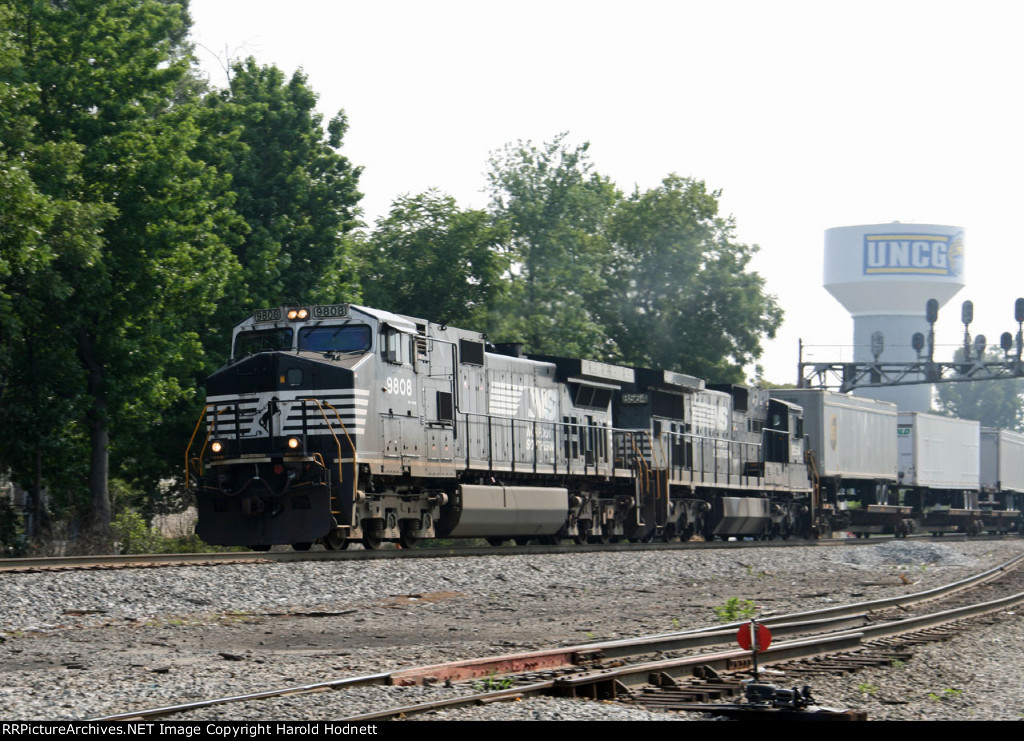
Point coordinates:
[(99, 438)]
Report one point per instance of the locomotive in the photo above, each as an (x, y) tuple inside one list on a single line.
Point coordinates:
[(343, 423)]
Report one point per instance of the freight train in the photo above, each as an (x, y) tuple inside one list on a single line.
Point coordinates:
[(341, 423)]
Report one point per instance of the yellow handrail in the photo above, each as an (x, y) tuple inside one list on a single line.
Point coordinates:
[(202, 418)]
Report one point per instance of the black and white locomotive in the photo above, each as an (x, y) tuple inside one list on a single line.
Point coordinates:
[(343, 423)]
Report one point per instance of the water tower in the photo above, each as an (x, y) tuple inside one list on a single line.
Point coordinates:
[(884, 274)]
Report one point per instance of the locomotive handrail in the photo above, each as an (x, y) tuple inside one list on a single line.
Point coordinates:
[(500, 421), (638, 455), (647, 470), (812, 466), (658, 494), (202, 418), (337, 442)]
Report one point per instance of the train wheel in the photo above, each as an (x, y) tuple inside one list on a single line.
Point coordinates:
[(648, 537), (583, 533), (372, 540), (669, 533), (496, 542), (335, 541), (522, 541), (686, 534), (301, 546), (407, 540), (600, 538)]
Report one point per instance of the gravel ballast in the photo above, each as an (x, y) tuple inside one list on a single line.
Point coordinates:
[(86, 644)]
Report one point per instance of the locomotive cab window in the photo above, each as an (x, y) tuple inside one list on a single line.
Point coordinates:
[(592, 397), (347, 338), (262, 340)]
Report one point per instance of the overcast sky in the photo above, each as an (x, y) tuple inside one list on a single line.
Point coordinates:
[(806, 115)]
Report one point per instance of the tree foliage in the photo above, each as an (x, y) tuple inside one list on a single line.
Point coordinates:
[(139, 220), (655, 279), (296, 193), (998, 403), (555, 206), (428, 258), (680, 294)]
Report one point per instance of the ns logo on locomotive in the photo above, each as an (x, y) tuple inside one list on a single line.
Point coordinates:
[(342, 423)]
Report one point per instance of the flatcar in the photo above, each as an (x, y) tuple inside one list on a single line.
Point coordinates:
[(880, 470)]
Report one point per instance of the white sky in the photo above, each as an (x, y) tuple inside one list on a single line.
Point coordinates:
[(806, 115)]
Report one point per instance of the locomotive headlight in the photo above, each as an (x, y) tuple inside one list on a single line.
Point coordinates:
[(216, 446), (298, 314), (294, 443)]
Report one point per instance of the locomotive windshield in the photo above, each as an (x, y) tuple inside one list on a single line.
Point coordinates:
[(348, 338), (262, 340)]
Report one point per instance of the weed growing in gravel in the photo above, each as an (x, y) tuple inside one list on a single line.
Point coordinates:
[(950, 693), (867, 689), (896, 663), (491, 683), (735, 609)]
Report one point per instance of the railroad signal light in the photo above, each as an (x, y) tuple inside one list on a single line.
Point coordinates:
[(1018, 310), (917, 342), (931, 311), (1006, 342), (967, 312), (979, 346), (877, 344)]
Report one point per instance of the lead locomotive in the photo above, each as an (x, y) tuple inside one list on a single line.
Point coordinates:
[(341, 423)]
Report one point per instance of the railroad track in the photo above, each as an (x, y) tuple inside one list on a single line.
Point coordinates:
[(158, 560), (667, 670)]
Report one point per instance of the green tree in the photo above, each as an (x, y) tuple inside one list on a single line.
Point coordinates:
[(297, 194), (46, 229), (679, 292), (993, 403), (430, 259), (140, 221), (555, 207)]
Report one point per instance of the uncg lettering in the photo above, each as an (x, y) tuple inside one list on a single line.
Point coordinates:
[(906, 255)]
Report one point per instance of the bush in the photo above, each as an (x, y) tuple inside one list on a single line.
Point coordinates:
[(134, 535), (12, 540), (735, 609)]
